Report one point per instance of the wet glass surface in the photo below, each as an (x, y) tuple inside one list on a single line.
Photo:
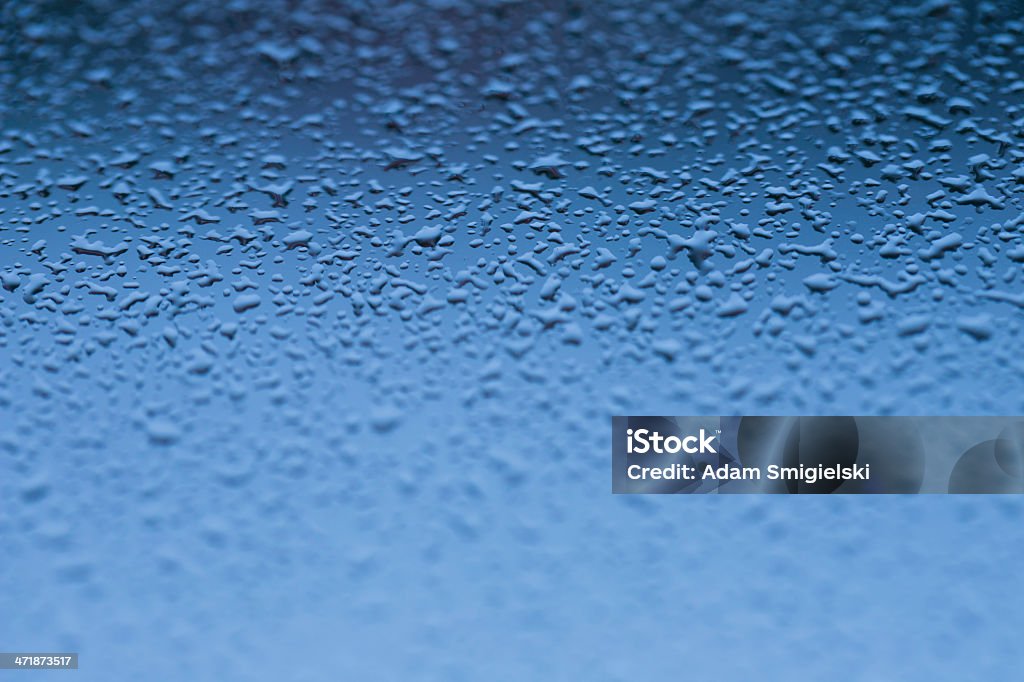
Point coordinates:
[(313, 314)]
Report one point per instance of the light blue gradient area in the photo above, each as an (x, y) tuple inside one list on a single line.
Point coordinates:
[(451, 550)]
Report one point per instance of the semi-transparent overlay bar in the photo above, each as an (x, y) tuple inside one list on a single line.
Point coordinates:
[(38, 661), (836, 454)]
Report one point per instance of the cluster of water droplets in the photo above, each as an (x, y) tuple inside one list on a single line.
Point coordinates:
[(268, 267)]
